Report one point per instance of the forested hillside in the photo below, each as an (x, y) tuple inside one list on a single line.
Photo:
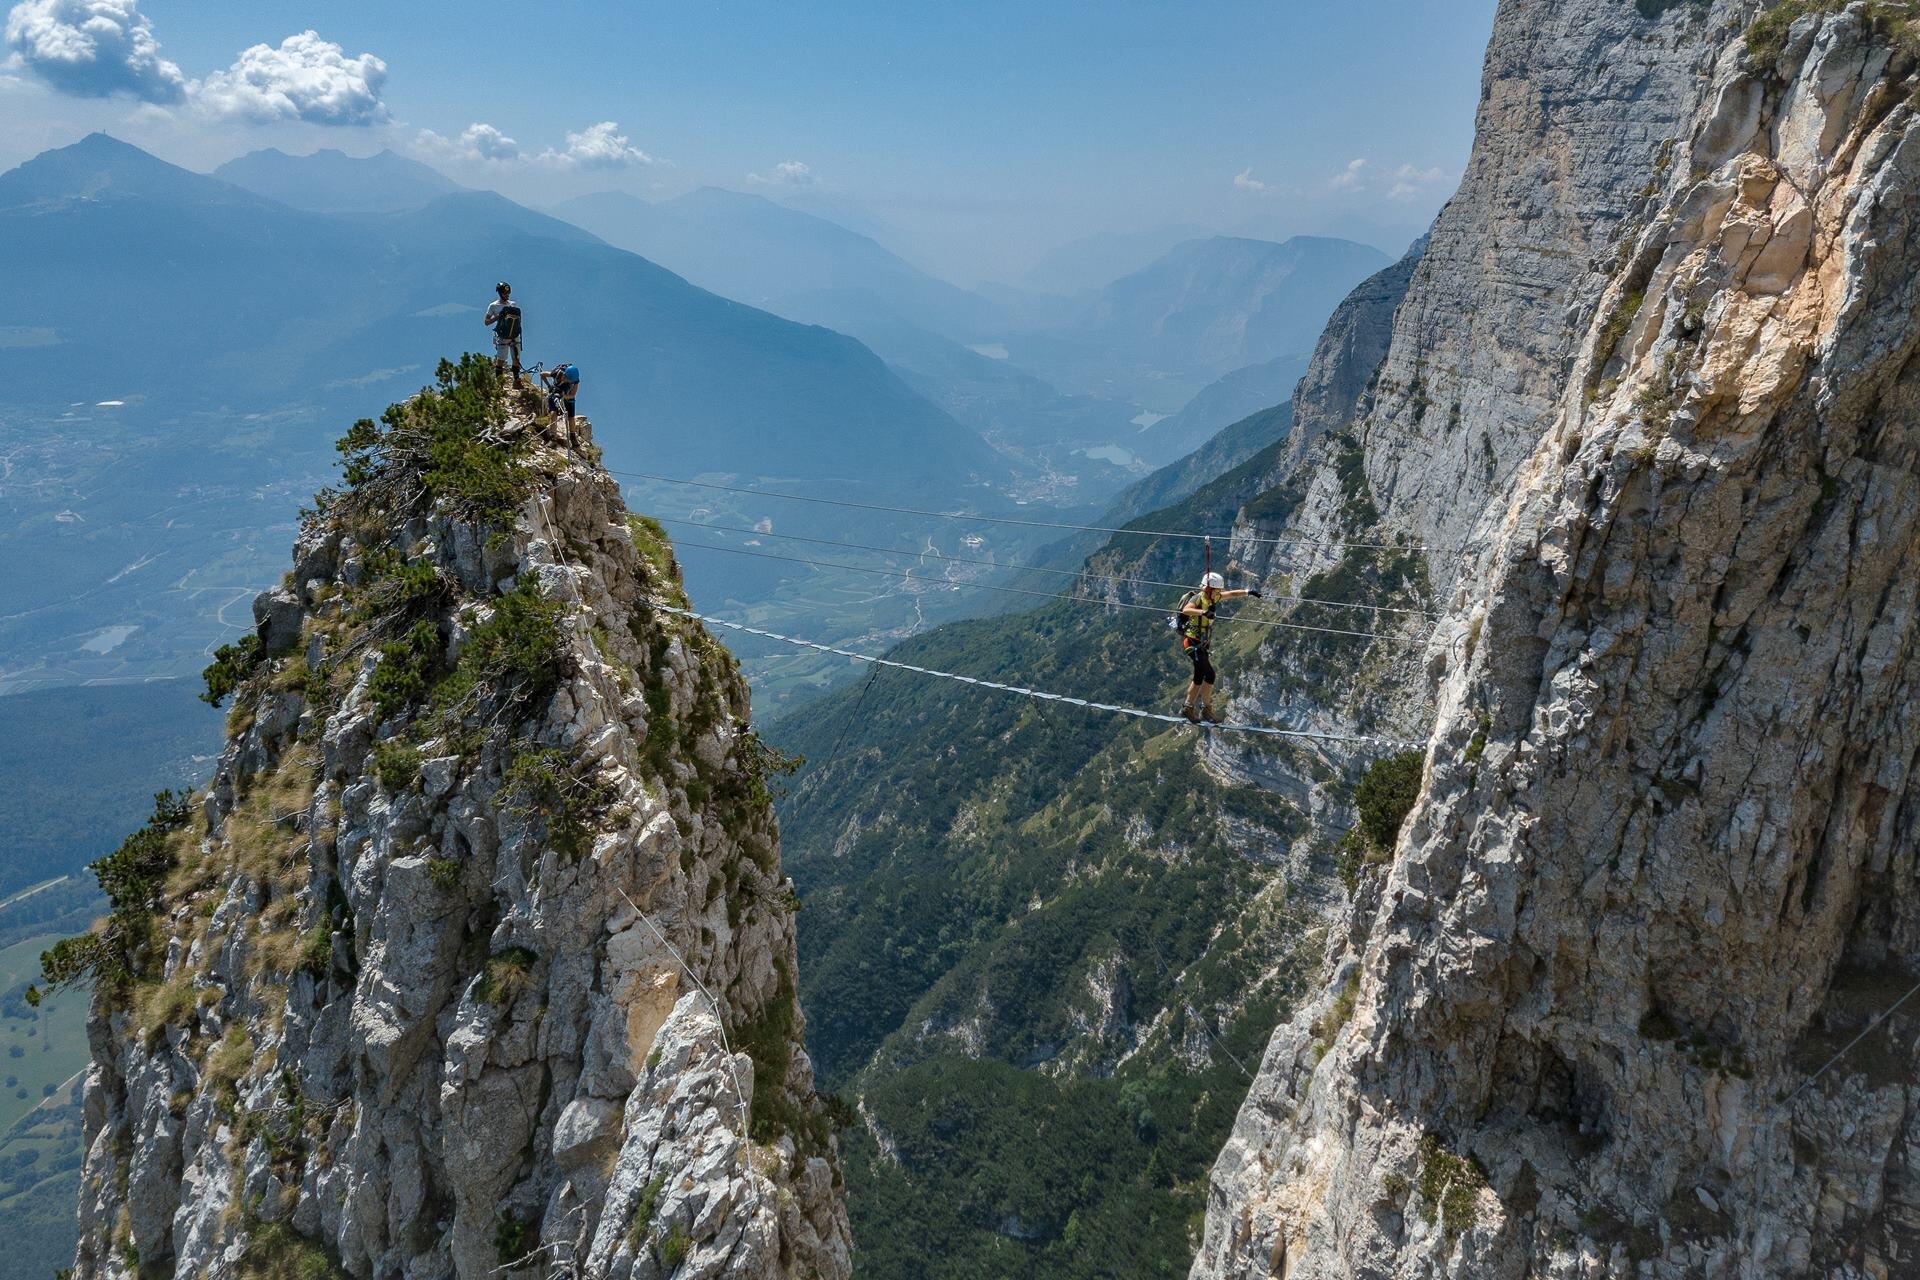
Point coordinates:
[(1041, 946)]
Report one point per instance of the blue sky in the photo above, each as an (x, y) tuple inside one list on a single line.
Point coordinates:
[(982, 133)]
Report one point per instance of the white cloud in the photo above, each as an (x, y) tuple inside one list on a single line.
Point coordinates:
[(1350, 177), (488, 143), (97, 48), (306, 78), (92, 49), (598, 146), (1410, 183), (476, 142), (1247, 182), (788, 173)]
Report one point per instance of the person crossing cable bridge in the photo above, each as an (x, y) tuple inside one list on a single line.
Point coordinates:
[(503, 317), (1196, 618)]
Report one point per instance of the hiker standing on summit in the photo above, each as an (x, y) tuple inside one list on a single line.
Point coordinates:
[(503, 317), (1196, 617)]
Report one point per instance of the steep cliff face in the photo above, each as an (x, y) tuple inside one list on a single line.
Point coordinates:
[(476, 957), (1349, 352), (1663, 867)]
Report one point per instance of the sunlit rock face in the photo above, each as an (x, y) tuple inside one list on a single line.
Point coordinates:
[(1651, 393), (477, 950)]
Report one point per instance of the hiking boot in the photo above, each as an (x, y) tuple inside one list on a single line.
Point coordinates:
[(1192, 715), (1213, 717)]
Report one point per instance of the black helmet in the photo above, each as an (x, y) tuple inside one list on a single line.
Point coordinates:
[(503, 287)]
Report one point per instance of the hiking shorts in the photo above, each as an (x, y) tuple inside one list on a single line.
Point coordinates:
[(556, 403), (505, 350), (1203, 672)]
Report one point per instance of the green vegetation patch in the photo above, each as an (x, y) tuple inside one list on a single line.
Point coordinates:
[(1618, 322), (1449, 1187), (516, 652), (275, 1251), (444, 873), (1338, 1013), (640, 1222), (1386, 795), (507, 976), (662, 570), (551, 786), (1767, 35), (122, 949), (768, 1039), (673, 1247), (513, 1238), (232, 663), (394, 584), (443, 444), (396, 762), (407, 669), (1007, 1172), (1892, 20)]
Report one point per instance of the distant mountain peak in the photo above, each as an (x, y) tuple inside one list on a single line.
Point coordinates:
[(101, 166), (98, 140)]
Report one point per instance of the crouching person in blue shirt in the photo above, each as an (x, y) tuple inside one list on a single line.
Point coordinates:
[(563, 385)]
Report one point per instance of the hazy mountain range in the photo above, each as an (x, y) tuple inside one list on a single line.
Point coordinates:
[(769, 255), (1236, 395), (195, 345), (216, 342), (190, 289), (1202, 310), (334, 182), (1174, 310)]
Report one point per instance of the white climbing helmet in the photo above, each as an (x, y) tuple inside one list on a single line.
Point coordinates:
[(1213, 582)]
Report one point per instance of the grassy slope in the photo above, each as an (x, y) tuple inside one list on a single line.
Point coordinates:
[(1039, 946)]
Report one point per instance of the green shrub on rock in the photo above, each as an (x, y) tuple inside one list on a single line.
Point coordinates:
[(1386, 794), (231, 664)]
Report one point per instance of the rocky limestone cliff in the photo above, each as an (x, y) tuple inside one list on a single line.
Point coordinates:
[(1349, 352), (1663, 866), (476, 956)]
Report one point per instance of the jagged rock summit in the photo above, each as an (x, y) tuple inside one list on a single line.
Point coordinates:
[(476, 956)]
